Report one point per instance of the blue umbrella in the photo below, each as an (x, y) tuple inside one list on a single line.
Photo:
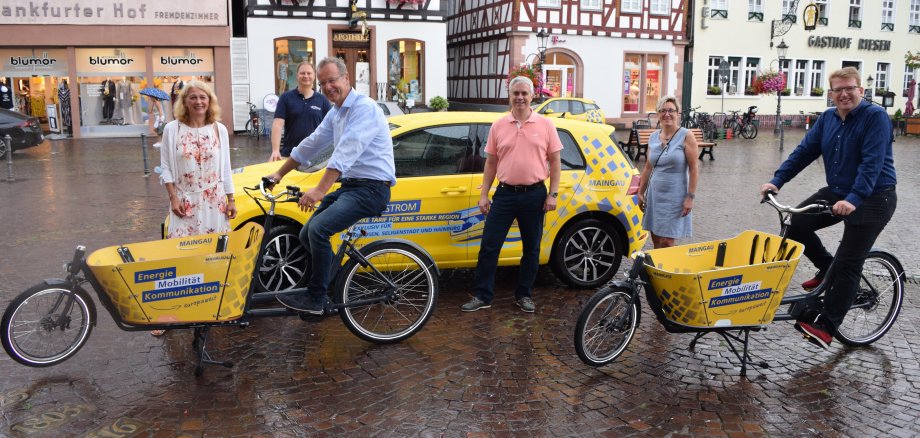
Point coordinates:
[(155, 93)]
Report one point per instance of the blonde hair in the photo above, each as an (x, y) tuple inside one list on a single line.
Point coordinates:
[(180, 111), (665, 100), (846, 73)]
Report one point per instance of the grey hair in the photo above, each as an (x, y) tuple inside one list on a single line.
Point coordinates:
[(336, 61), (665, 100), (521, 80)]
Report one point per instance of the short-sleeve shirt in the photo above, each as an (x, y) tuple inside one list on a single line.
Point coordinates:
[(523, 151), (301, 116)]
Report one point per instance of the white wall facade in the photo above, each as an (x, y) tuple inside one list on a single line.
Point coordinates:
[(740, 37), (262, 33)]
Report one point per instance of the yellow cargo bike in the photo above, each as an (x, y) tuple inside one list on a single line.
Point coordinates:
[(730, 288), (384, 291)]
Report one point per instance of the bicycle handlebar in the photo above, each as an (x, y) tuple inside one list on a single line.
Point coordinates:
[(817, 208)]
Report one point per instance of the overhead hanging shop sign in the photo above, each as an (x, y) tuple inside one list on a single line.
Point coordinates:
[(183, 62), (104, 61), (116, 12), (37, 62)]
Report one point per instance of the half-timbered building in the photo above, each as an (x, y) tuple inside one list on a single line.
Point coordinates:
[(392, 48), (625, 54)]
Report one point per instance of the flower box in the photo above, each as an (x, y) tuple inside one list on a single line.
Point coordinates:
[(913, 125)]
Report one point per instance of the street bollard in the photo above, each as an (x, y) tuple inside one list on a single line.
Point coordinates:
[(9, 157), (144, 148)]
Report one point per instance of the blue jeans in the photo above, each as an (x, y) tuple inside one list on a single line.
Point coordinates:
[(860, 230), (508, 205), (338, 211)]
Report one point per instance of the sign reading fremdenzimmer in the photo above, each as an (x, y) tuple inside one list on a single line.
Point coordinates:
[(116, 12)]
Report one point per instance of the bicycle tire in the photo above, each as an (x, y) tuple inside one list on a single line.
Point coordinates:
[(749, 131), (33, 338), (252, 127), (878, 301), (394, 320), (608, 317)]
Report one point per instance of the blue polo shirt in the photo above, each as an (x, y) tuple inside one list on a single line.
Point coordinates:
[(301, 116), (857, 153)]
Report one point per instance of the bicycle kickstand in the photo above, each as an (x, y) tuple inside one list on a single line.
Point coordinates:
[(204, 358)]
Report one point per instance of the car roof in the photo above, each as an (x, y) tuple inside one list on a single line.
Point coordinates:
[(420, 120)]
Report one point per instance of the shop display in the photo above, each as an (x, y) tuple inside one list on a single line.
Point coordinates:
[(64, 102), (108, 99), (6, 94)]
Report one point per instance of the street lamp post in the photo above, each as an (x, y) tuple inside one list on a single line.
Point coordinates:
[(870, 92), (542, 36), (781, 52)]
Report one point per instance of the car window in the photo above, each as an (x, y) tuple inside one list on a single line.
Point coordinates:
[(386, 111), (558, 106), (570, 156), (591, 106), (578, 107), (432, 151)]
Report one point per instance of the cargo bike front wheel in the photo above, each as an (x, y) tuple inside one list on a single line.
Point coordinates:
[(47, 324), (606, 325)]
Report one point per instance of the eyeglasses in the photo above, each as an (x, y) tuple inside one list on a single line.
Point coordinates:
[(668, 111), (323, 83), (848, 90)]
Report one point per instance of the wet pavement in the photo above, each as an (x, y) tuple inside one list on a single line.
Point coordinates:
[(496, 372)]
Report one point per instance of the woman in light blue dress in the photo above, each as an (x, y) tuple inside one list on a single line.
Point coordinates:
[(670, 175)]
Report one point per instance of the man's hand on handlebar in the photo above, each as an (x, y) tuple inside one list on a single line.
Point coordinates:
[(310, 199), (768, 188), (843, 208)]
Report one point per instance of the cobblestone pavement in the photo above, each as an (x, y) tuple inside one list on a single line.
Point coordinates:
[(496, 372)]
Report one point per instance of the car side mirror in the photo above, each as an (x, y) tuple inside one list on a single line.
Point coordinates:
[(548, 111)]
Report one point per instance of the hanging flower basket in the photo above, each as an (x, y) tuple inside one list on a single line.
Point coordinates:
[(769, 82), (531, 73), (406, 2)]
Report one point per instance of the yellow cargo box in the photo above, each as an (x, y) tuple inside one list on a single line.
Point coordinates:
[(737, 282), (183, 280)]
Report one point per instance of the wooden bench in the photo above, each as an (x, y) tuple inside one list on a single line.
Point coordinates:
[(638, 140)]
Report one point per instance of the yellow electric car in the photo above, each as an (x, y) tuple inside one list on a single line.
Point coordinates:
[(574, 108), (439, 162)]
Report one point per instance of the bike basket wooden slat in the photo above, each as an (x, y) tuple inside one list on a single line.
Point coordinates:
[(745, 289), (181, 280)]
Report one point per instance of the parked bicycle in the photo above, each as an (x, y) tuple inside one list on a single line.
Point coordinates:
[(254, 125), (744, 125), (384, 291), (735, 285), (688, 119)]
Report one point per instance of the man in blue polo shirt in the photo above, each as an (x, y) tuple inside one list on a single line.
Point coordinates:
[(854, 141), (299, 112)]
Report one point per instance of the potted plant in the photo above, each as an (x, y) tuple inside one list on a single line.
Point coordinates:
[(438, 103), (880, 91), (785, 92), (714, 90), (750, 91), (817, 91)]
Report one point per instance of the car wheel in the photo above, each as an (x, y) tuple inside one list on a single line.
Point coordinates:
[(285, 263), (587, 254), (3, 149)]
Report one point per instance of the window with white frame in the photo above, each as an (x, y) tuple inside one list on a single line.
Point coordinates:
[(660, 7), (909, 73), (787, 7), (887, 14), (493, 57), (750, 74), (799, 74), (784, 66), (549, 3), (592, 5), (817, 74), (631, 6), (882, 72), (822, 11), (712, 72), (914, 19), (755, 6), (855, 14), (734, 76)]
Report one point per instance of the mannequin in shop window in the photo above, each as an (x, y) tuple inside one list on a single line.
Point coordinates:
[(176, 88), (108, 98), (282, 73), (64, 101), (123, 101), (6, 95), (25, 98)]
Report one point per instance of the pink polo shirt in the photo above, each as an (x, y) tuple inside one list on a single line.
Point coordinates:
[(523, 151)]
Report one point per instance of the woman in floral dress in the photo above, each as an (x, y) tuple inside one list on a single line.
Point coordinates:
[(195, 163)]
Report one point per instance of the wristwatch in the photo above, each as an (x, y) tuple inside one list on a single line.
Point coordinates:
[(554, 194), (691, 196)]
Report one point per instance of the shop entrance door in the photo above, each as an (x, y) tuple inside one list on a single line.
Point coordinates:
[(358, 65), (559, 80)]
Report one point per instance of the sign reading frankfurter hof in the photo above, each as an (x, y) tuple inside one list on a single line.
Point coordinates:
[(115, 12)]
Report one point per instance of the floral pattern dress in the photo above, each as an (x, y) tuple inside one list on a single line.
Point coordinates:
[(196, 162)]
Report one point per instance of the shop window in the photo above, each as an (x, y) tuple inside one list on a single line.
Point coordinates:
[(405, 76), (643, 80), (653, 81), (632, 72), (289, 53)]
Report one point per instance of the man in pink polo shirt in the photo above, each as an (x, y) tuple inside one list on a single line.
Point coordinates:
[(522, 151)]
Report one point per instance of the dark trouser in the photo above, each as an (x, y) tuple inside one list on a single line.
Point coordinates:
[(860, 230), (339, 210), (108, 107), (508, 205)]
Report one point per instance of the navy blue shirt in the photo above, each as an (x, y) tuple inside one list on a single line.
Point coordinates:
[(857, 153), (301, 116)]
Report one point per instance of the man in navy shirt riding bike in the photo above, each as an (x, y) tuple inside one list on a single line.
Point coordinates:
[(854, 141)]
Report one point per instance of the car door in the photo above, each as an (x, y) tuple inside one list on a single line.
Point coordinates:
[(431, 194), (573, 170)]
